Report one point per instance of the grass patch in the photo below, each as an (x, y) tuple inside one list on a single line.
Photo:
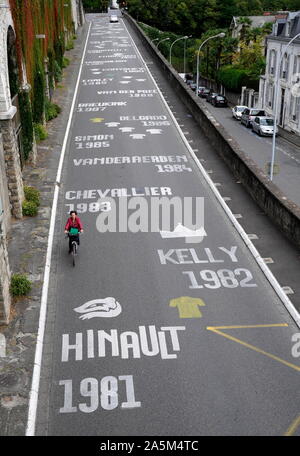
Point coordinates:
[(70, 45), (19, 285), (52, 110), (66, 62), (29, 208), (40, 132), (32, 194)]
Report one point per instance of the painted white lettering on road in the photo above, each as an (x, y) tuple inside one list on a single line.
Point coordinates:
[(117, 192), (147, 341), (191, 256), (134, 160)]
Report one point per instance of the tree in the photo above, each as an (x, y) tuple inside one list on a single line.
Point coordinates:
[(250, 7), (226, 9), (95, 5), (250, 58)]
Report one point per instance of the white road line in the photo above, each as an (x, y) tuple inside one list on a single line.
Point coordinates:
[(34, 392), (267, 272)]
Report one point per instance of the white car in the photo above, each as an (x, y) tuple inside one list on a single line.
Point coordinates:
[(113, 18), (264, 126), (237, 111)]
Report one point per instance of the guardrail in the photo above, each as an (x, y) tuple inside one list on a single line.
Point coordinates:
[(282, 211)]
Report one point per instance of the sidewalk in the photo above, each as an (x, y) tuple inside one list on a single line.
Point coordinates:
[(259, 149), (27, 252), (291, 137)]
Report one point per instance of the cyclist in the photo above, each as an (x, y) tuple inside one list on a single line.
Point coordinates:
[(73, 222)]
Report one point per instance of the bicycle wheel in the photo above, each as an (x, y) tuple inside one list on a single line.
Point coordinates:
[(74, 246)]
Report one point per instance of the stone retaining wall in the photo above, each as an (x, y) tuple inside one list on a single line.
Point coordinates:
[(13, 167), (5, 299)]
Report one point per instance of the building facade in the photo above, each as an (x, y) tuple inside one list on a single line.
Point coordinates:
[(283, 72), (77, 14)]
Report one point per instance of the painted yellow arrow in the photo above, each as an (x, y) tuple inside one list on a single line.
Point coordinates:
[(187, 307)]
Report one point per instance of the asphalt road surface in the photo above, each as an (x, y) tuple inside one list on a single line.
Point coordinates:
[(154, 333)]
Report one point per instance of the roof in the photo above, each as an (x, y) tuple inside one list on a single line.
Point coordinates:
[(288, 27), (256, 21)]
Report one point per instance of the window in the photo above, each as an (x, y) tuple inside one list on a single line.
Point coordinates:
[(270, 95), (296, 69), (267, 122), (272, 62), (285, 66), (294, 108), (257, 112)]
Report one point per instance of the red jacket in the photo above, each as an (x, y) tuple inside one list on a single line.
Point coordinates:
[(74, 224)]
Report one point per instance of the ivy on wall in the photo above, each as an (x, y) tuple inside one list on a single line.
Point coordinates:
[(52, 18), (26, 119)]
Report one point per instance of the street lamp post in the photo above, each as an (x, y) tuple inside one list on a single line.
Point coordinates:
[(182, 38), (165, 39), (219, 35), (281, 55), (154, 40), (184, 52)]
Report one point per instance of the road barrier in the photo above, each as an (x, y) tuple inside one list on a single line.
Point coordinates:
[(282, 211)]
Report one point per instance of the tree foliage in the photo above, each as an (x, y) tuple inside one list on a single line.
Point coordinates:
[(98, 6), (196, 16)]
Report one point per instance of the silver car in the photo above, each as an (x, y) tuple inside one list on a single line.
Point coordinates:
[(249, 115), (264, 126), (113, 18)]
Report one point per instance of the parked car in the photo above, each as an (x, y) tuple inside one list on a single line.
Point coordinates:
[(211, 96), (200, 89), (219, 100), (113, 18), (264, 126), (237, 111), (193, 86), (204, 93), (249, 115), (188, 78)]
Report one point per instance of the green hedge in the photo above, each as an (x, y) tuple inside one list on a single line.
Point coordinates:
[(235, 78), (40, 132), (51, 110), (32, 194), (29, 208), (20, 285)]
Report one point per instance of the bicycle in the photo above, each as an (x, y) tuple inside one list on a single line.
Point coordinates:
[(74, 236)]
